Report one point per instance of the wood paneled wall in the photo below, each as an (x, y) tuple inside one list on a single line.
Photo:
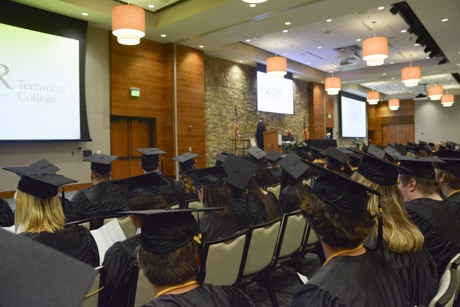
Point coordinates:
[(319, 105)]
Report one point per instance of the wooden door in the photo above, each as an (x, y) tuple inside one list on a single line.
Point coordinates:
[(397, 133), (127, 134)]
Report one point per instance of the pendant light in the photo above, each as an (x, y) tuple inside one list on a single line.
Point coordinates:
[(447, 100), (128, 24), (435, 92), (373, 97), (393, 104), (375, 50), (411, 75), (276, 66), (332, 84)]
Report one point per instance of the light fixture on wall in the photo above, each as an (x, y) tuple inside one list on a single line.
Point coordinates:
[(435, 92), (411, 75), (333, 85), (276, 66), (375, 50), (373, 97), (393, 104), (447, 100), (128, 24)]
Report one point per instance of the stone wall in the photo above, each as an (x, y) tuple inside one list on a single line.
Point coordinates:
[(229, 85)]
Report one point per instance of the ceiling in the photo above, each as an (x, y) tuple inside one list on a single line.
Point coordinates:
[(233, 30)]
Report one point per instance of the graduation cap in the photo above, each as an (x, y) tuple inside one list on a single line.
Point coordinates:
[(380, 171), (340, 192), (186, 160), (401, 149), (101, 163), (273, 156), (143, 185), (210, 176), (46, 166), (220, 158), (256, 152), (376, 151), (149, 157), (392, 153), (239, 171), (421, 167), (33, 274), (337, 155), (446, 153), (451, 145), (39, 183), (293, 165), (450, 165)]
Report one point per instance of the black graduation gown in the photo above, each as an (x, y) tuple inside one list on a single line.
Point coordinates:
[(214, 227), (363, 280), (205, 295), (6, 214), (75, 241), (102, 198), (276, 174), (246, 210), (439, 226), (119, 274), (169, 190), (454, 202), (288, 203)]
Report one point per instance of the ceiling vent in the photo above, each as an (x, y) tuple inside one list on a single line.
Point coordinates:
[(423, 94), (348, 57)]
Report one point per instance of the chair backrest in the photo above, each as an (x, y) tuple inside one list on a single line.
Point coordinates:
[(260, 248), (144, 290), (223, 259), (291, 235), (454, 264), (84, 222), (275, 189), (195, 205), (446, 290), (92, 296)]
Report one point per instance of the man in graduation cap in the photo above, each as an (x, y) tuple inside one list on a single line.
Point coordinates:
[(186, 186), (435, 219), (351, 276), (103, 197), (120, 270), (448, 177), (170, 257)]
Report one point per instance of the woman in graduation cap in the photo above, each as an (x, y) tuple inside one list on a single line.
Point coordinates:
[(185, 186), (402, 240), (351, 276), (39, 215)]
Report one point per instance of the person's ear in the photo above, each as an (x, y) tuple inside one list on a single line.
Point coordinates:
[(440, 177), (412, 185)]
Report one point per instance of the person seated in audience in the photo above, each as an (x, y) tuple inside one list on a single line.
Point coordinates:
[(211, 192), (239, 173), (39, 215), (448, 177), (170, 258), (103, 197), (119, 272), (150, 163), (185, 186), (336, 161), (351, 276), (6, 214), (402, 240), (423, 203), (220, 158), (262, 174), (293, 187), (274, 167)]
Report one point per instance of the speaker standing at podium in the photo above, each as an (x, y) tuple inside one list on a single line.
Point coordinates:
[(259, 135)]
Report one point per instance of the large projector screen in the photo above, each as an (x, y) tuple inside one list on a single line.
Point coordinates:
[(274, 95), (41, 76), (353, 116)]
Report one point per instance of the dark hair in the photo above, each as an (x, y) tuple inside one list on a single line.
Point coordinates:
[(334, 228), (263, 176), (256, 193), (170, 269), (189, 184), (216, 197), (150, 163), (451, 180), (146, 203), (293, 196), (424, 185)]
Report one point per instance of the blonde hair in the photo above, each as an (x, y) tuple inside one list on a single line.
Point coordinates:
[(34, 214), (400, 234)]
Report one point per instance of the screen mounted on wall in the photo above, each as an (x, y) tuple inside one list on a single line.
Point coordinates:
[(353, 116), (274, 95)]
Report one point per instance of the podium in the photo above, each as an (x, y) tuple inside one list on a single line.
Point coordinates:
[(271, 141)]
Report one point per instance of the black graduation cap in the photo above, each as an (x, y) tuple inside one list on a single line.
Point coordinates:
[(46, 166), (210, 176), (239, 171), (421, 167), (149, 157), (273, 156), (450, 165), (401, 149), (376, 151), (220, 157), (39, 183), (293, 165), (256, 152), (380, 171), (101, 163), (336, 154), (186, 160), (33, 274), (451, 145), (392, 152), (143, 185), (446, 153)]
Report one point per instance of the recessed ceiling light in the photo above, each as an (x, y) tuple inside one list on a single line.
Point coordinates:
[(248, 40), (445, 19), (392, 78), (384, 74), (241, 61), (201, 46), (252, 5), (416, 45), (403, 31), (285, 53), (427, 57), (163, 35), (392, 62), (458, 64), (254, 1), (329, 20), (287, 23), (358, 39), (411, 92), (151, 6), (381, 7), (319, 47), (84, 14), (285, 31), (308, 62)]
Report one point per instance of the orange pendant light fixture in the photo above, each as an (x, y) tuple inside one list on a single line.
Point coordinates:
[(411, 75), (333, 85), (128, 24), (375, 50), (447, 100), (435, 92), (276, 66), (373, 97), (393, 104)]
